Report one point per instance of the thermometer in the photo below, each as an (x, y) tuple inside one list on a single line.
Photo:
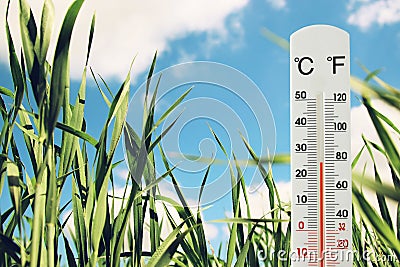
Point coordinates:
[(320, 147)]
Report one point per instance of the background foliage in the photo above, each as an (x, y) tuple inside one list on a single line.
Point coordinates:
[(45, 120)]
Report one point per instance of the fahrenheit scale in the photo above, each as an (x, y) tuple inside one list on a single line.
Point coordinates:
[(320, 147)]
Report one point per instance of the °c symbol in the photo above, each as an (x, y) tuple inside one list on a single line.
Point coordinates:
[(300, 67)]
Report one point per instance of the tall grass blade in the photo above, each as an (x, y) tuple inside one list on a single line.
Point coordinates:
[(8, 246), (16, 73), (381, 199), (184, 211), (385, 190), (236, 233), (190, 253), (382, 228), (170, 109), (390, 148), (162, 256), (46, 28), (80, 227), (69, 252), (267, 176), (241, 260), (6, 92), (106, 100), (283, 43), (374, 75), (91, 33), (35, 57), (59, 76)]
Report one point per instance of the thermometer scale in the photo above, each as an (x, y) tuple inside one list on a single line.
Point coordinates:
[(320, 147)]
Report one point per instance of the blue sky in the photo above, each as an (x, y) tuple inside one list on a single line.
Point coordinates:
[(228, 32)]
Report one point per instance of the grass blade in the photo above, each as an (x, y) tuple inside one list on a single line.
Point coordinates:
[(59, 75), (241, 260), (46, 27), (91, 33), (381, 227), (381, 199), (162, 256), (16, 72), (390, 148), (9, 247)]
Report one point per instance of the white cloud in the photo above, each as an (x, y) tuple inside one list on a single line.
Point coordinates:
[(278, 4), (211, 231), (122, 173), (237, 28), (185, 56), (353, 3), (125, 28), (259, 199), (366, 13)]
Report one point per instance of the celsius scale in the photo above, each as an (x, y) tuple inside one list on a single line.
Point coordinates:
[(320, 147)]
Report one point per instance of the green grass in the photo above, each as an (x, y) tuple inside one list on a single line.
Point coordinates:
[(375, 230), (110, 230)]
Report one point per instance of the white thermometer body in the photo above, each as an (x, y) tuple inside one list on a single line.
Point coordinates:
[(320, 147)]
